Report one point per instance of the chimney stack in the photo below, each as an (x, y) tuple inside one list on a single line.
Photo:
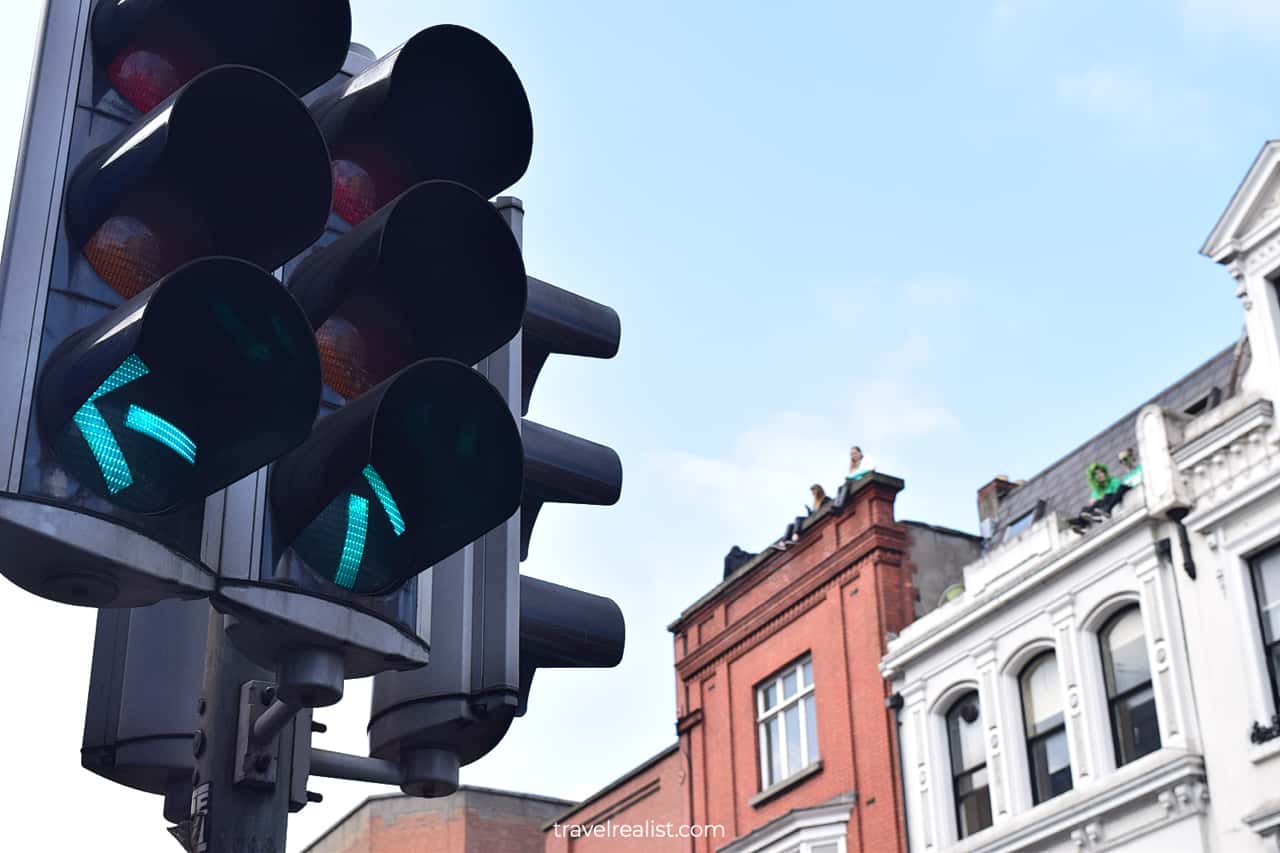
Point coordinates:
[(990, 497)]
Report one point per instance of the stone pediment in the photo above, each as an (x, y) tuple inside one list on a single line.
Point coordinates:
[(1254, 211)]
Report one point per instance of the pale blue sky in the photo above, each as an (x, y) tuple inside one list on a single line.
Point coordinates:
[(961, 235)]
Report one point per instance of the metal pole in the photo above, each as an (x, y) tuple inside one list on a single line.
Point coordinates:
[(227, 817), (339, 765)]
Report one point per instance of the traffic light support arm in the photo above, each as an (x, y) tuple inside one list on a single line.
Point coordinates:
[(356, 768), (272, 721)]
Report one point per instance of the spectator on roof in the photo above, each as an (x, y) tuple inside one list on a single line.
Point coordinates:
[(1106, 490)]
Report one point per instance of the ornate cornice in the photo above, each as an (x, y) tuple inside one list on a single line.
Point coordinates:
[(803, 595)]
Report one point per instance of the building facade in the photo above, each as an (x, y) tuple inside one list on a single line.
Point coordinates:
[(471, 820), (1108, 679), (785, 743)]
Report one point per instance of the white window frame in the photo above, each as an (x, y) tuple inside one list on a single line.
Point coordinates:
[(763, 718)]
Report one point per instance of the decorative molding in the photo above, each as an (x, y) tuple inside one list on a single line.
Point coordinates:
[(1168, 786), (1088, 837), (1259, 414), (943, 626), (875, 542)]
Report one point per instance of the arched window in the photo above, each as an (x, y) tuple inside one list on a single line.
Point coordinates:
[(1134, 727), (1046, 729), (968, 765)]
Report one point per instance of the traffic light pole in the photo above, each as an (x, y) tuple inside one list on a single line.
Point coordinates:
[(229, 816)]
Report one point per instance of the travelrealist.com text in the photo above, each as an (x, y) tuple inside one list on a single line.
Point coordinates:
[(647, 829)]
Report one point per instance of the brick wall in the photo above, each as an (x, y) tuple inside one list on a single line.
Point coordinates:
[(653, 799), (473, 820)]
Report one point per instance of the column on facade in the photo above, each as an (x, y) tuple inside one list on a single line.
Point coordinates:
[(1167, 650), (1082, 728), (998, 773), (918, 777)]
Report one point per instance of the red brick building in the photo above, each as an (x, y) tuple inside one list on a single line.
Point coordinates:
[(472, 820), (785, 741)]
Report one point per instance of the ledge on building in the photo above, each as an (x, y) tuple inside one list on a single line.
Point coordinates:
[(1168, 785), (896, 484), (786, 784), (832, 815)]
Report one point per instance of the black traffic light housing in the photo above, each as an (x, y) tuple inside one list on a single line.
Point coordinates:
[(231, 164), (400, 478), (148, 48), (444, 105), (114, 399), (434, 273)]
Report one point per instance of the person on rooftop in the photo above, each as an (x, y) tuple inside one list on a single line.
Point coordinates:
[(1106, 490)]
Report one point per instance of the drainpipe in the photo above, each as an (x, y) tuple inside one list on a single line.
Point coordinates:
[(894, 703)]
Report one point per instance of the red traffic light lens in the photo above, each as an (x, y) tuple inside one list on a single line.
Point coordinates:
[(365, 177), (145, 77)]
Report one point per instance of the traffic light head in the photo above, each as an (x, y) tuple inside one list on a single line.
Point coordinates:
[(437, 272), (232, 164), (444, 105), (149, 48), (115, 400), (400, 478)]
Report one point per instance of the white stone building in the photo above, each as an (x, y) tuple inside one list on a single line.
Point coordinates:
[(1113, 682)]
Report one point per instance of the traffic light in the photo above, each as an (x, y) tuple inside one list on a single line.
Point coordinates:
[(445, 104), (416, 279), (424, 458), (160, 361), (491, 628)]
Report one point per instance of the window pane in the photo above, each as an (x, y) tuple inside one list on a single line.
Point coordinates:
[(808, 673), (1136, 727), (1041, 699), (964, 731), (1274, 661), (967, 783), (973, 812), (794, 758), (823, 848), (770, 695), (1266, 573), (1050, 766), (1124, 653), (774, 753), (789, 686), (811, 726)]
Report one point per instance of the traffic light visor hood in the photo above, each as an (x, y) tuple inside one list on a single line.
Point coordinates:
[(400, 478), (196, 382), (231, 164), (444, 105), (436, 273), (148, 48)]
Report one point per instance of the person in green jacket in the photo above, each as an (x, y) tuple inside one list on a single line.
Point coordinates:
[(1106, 490)]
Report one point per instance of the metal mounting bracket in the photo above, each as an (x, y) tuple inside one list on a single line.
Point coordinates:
[(256, 761)]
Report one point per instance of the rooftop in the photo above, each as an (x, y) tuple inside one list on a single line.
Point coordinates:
[(1062, 486)]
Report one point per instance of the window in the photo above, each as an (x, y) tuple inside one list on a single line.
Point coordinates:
[(968, 766), (1047, 752), (1019, 524), (1266, 589), (1135, 729), (787, 722)]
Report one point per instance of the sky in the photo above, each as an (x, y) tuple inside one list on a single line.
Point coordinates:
[(963, 236)]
